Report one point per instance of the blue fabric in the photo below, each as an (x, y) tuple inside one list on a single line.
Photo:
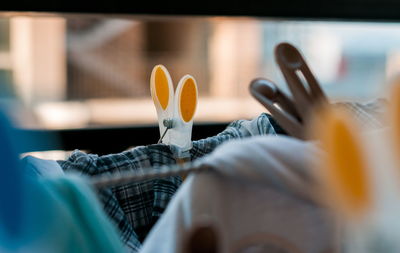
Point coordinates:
[(62, 215), (58, 215), (85, 227), (12, 186)]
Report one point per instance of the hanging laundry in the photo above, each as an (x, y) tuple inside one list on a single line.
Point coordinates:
[(135, 207)]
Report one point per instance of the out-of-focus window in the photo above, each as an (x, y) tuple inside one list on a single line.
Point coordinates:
[(5, 35), (82, 71), (6, 89)]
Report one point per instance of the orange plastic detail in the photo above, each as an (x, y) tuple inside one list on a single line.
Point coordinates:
[(350, 169), (188, 100), (345, 171), (162, 90)]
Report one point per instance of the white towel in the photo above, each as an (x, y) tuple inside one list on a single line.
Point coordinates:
[(265, 216)]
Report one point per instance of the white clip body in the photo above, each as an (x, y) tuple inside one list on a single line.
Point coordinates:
[(175, 111)]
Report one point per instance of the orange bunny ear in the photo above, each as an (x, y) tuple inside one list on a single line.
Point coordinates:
[(342, 172), (161, 87), (187, 98)]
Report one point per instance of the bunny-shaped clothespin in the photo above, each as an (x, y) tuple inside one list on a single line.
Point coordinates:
[(175, 111), (358, 178)]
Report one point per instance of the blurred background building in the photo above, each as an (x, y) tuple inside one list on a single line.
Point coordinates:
[(82, 71)]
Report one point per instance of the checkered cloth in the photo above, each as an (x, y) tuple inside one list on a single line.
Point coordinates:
[(368, 115), (135, 207)]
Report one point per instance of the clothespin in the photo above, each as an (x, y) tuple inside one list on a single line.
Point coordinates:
[(357, 177), (291, 112), (175, 111)]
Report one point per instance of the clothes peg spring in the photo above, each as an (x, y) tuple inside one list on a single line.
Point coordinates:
[(168, 123)]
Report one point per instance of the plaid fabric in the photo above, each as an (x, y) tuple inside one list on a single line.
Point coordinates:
[(135, 207), (369, 115)]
